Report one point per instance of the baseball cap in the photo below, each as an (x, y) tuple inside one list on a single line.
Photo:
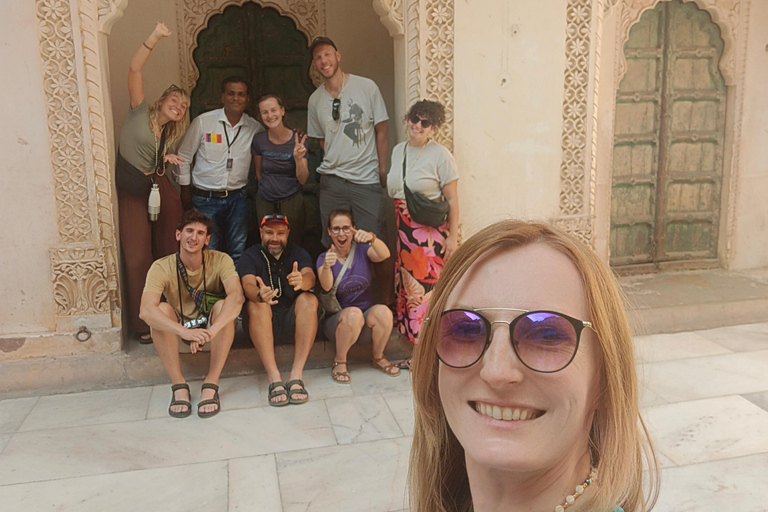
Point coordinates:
[(274, 218), (321, 40)]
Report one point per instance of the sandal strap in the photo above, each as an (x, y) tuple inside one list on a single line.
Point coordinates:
[(209, 385), (277, 383), (181, 402), (337, 363), (294, 381), (177, 387), (214, 401)]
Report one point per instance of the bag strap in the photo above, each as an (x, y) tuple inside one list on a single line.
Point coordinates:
[(344, 267), (197, 296)]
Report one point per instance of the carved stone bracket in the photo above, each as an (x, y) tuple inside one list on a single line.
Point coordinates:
[(576, 186), (193, 15), (79, 281), (391, 14), (109, 12)]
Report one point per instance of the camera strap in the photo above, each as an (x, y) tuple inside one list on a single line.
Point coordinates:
[(197, 296)]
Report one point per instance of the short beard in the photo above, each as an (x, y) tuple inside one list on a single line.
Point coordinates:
[(275, 252)]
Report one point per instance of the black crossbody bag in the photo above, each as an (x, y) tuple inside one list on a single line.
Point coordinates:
[(422, 209)]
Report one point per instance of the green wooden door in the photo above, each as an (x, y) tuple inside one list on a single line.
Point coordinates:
[(256, 43), (668, 146), (266, 49)]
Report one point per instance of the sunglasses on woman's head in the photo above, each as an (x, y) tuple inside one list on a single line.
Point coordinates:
[(336, 107), (544, 341), (425, 123)]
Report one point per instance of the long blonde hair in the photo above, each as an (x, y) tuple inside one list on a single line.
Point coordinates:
[(174, 130), (619, 442)]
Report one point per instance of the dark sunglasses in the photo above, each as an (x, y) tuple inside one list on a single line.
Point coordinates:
[(336, 107), (426, 123), (544, 341)]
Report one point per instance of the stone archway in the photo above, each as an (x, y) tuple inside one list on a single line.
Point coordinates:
[(73, 50)]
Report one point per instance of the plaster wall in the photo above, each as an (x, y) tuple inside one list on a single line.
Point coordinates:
[(28, 209), (751, 233), (509, 60)]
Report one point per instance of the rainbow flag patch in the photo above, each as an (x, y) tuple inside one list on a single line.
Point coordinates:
[(213, 137)]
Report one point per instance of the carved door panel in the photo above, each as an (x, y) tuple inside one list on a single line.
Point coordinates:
[(668, 148), (257, 43)]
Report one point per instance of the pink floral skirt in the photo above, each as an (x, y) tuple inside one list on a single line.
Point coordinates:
[(417, 266)]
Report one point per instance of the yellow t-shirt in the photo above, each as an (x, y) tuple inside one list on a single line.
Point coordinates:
[(163, 277)]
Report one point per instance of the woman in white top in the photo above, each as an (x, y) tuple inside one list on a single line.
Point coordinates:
[(422, 250)]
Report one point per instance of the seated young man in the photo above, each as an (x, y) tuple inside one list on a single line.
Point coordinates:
[(275, 276), (188, 279)]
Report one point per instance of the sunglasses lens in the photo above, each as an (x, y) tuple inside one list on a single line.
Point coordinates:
[(336, 107), (426, 123), (462, 338), (545, 342)]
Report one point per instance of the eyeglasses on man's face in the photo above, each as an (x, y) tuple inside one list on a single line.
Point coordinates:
[(544, 341)]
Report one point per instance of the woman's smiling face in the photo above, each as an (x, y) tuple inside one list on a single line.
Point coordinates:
[(551, 412)]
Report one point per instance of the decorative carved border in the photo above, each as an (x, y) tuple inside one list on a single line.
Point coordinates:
[(83, 266), (193, 15), (732, 16), (437, 76), (90, 22), (65, 125), (576, 191)]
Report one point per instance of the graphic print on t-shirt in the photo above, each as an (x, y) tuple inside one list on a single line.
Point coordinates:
[(354, 127)]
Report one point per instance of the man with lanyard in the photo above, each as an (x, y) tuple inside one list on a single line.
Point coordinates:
[(275, 276), (220, 141), (348, 117), (191, 280)]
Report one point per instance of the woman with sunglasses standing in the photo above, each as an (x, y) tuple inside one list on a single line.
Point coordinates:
[(422, 250), (347, 267), (526, 397), (149, 134), (280, 160)]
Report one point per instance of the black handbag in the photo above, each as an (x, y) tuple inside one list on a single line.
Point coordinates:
[(131, 179), (422, 209)]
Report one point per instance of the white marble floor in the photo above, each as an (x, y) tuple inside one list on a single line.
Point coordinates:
[(705, 397)]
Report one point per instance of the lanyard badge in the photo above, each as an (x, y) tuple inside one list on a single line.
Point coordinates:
[(230, 160)]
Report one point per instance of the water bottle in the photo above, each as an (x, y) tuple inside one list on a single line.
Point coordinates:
[(153, 208)]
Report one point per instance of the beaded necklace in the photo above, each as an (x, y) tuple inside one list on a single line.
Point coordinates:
[(579, 491), (271, 283)]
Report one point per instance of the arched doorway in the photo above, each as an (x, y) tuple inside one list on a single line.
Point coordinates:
[(669, 143), (266, 48)]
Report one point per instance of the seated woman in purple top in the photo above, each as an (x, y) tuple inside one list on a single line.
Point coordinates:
[(359, 317), (280, 162)]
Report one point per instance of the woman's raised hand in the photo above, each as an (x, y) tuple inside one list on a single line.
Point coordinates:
[(173, 159), (161, 30), (299, 150), (362, 237), (330, 257)]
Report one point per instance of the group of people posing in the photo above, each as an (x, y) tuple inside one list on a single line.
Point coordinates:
[(176, 289)]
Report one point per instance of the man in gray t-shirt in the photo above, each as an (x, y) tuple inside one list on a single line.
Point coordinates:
[(348, 117)]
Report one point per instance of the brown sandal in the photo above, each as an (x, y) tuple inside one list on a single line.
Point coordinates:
[(385, 369), (336, 374)]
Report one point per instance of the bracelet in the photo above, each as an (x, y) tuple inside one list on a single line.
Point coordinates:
[(150, 48), (372, 239)]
